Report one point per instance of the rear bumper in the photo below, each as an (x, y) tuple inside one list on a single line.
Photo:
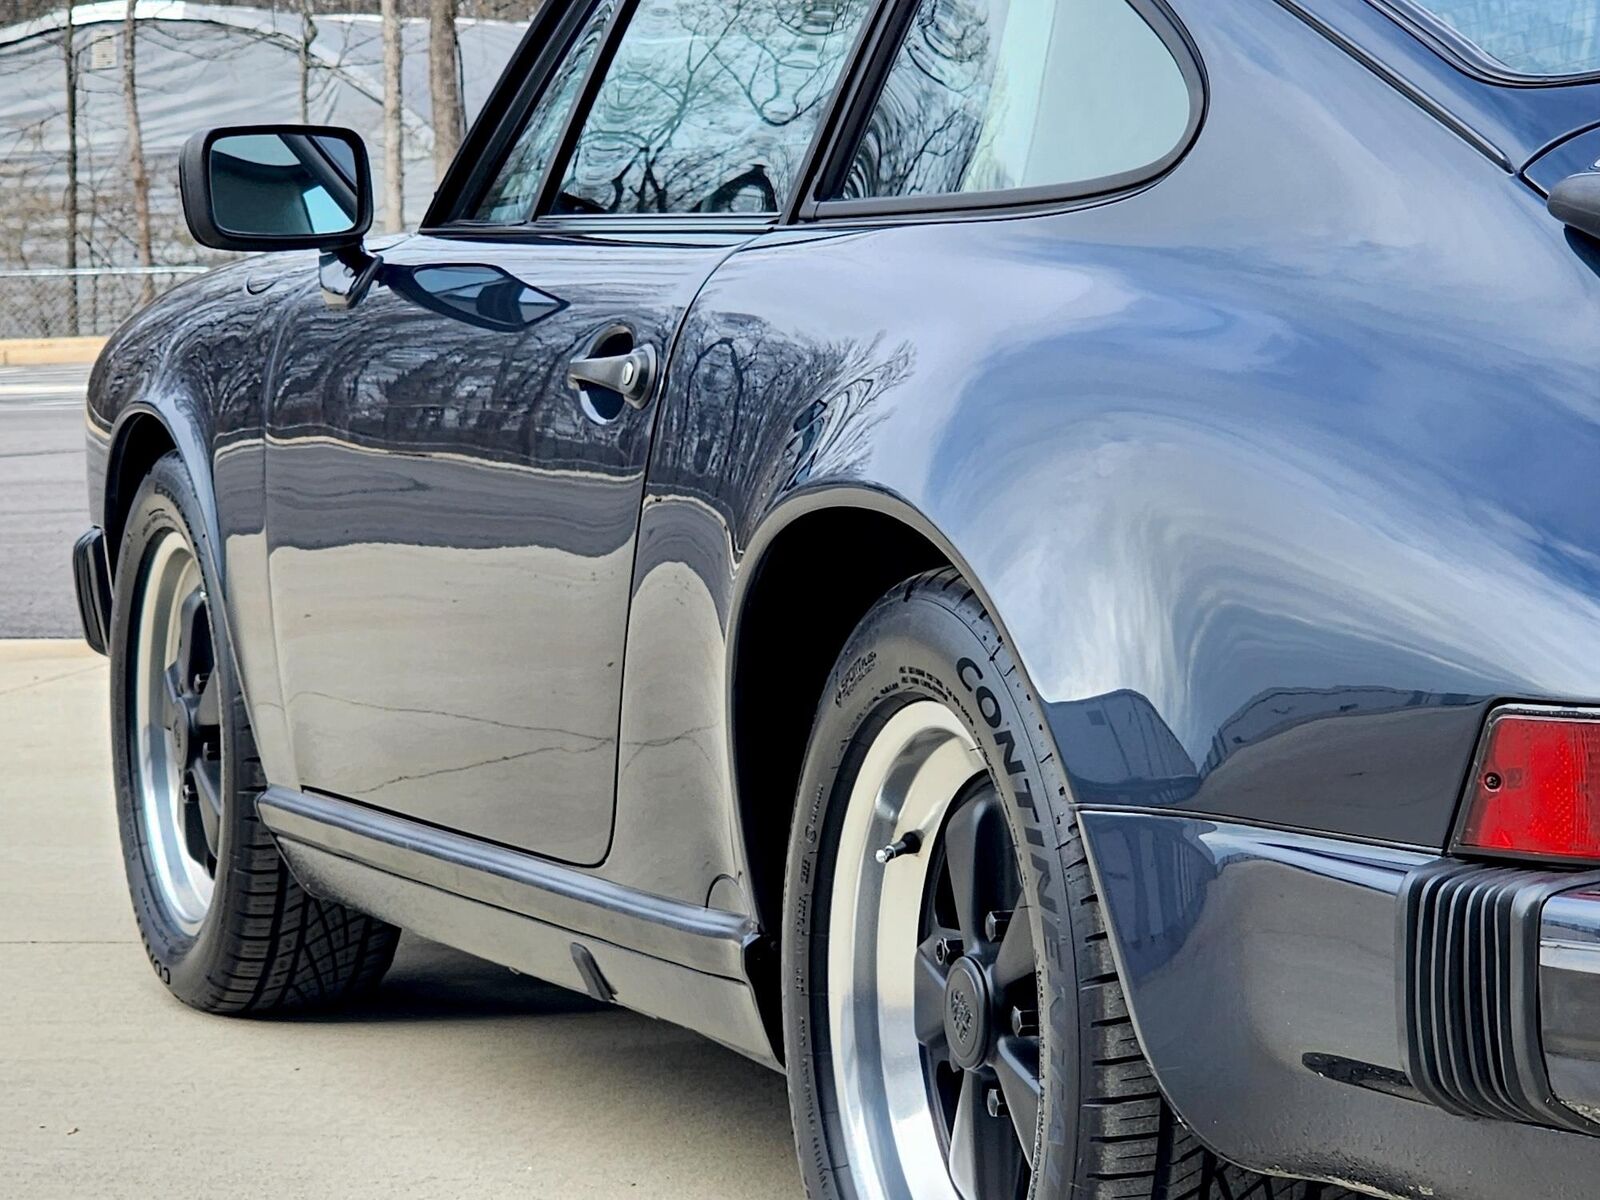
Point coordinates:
[(1276, 981), (1487, 1027), (91, 574), (1569, 999)]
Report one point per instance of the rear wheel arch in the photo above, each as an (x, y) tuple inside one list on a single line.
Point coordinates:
[(814, 569)]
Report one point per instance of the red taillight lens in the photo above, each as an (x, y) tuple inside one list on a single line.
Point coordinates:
[(1537, 790)]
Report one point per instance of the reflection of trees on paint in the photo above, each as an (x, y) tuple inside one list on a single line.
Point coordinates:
[(744, 397), (710, 105)]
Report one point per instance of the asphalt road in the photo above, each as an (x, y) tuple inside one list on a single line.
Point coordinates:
[(43, 504), (459, 1079)]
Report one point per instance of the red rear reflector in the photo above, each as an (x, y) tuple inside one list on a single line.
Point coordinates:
[(1537, 790)]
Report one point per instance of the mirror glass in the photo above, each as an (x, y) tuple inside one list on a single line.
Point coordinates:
[(284, 184)]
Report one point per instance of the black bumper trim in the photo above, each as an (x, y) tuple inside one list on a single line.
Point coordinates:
[(1470, 939), (91, 573)]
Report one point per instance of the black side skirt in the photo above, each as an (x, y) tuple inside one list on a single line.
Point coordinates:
[(665, 958)]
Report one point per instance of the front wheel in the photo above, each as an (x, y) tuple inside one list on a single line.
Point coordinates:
[(954, 1025), (225, 925)]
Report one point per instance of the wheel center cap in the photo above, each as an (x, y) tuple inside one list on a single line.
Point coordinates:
[(966, 1014)]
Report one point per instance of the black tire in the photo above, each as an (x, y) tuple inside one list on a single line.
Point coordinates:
[(1105, 1129), (263, 943)]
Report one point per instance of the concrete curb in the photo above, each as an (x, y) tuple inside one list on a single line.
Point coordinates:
[(36, 352)]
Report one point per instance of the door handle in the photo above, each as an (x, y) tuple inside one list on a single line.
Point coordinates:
[(632, 376)]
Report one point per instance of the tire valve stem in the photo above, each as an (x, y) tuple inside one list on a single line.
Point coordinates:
[(995, 1103), (909, 844)]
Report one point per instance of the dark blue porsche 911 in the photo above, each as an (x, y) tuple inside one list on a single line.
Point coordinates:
[(1034, 564)]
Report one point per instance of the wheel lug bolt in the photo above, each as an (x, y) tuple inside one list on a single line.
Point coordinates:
[(1025, 1022), (946, 951), (996, 924), (996, 1103)]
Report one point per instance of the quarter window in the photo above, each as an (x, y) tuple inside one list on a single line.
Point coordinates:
[(511, 196), (709, 106), (995, 95)]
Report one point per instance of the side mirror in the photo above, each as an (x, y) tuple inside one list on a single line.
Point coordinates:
[(284, 187), (276, 187)]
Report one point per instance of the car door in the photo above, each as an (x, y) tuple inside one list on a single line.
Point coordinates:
[(455, 464)]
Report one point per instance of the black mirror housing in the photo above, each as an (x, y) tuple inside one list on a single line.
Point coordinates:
[(276, 187)]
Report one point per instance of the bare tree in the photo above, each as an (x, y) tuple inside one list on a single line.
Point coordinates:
[(308, 34), (394, 168), (69, 53), (444, 82), (138, 175)]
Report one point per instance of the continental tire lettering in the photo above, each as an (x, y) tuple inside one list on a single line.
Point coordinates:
[(1008, 754), (989, 707), (1023, 789), (965, 665)]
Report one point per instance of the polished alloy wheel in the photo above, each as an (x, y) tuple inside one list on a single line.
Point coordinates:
[(933, 990), (176, 734)]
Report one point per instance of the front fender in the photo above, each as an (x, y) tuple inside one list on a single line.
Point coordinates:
[(191, 371)]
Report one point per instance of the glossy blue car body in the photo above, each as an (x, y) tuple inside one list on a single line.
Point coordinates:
[(1278, 470)]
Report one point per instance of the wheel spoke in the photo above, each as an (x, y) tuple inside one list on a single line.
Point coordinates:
[(927, 1001), (1016, 1062), (206, 775), (209, 711), (985, 1158), (173, 702), (976, 850), (194, 639), (1015, 962)]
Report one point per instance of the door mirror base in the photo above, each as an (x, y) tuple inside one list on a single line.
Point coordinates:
[(346, 273)]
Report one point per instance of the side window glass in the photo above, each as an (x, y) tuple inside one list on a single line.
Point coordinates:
[(994, 95), (709, 106), (515, 189)]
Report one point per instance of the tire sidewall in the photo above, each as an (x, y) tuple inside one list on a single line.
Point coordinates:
[(166, 503), (919, 644)]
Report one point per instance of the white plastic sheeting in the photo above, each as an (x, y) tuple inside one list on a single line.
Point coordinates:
[(198, 65)]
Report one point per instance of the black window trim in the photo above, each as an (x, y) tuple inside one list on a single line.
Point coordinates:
[(1466, 55), (499, 123), (867, 83)]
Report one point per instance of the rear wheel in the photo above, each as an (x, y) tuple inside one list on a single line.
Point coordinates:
[(225, 926), (955, 1029)]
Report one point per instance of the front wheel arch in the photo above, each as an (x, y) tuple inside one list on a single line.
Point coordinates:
[(143, 434)]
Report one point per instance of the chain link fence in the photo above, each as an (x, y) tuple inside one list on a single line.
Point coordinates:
[(53, 302)]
